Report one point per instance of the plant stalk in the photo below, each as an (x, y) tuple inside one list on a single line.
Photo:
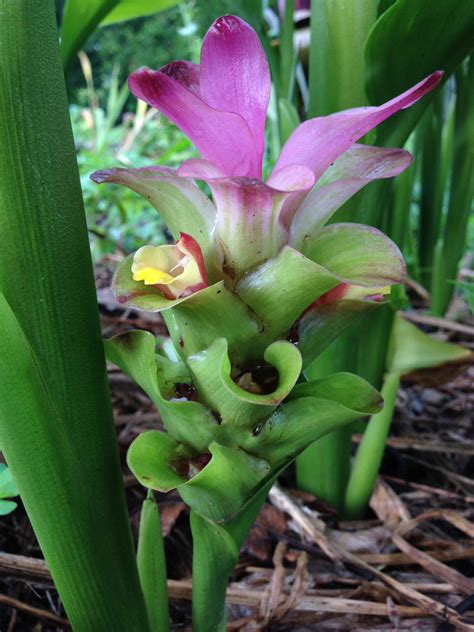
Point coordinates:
[(370, 452), (152, 566)]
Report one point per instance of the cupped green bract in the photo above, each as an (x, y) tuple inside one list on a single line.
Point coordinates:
[(211, 370)]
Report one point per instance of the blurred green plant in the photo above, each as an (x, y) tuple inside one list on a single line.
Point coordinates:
[(8, 489), (108, 134), (81, 17), (431, 37)]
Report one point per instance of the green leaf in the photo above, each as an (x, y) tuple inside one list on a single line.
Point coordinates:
[(411, 349), (236, 406), (80, 18), (432, 36), (7, 506), (132, 9), (8, 487), (336, 63), (56, 424), (53, 472), (152, 566)]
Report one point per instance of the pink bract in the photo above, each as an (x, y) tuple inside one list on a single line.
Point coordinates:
[(221, 105)]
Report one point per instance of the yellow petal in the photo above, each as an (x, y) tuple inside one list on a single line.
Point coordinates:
[(358, 292), (152, 276)]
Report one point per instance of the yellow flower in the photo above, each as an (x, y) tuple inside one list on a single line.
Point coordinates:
[(176, 270)]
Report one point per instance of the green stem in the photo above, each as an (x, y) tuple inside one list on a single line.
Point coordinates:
[(215, 553), (370, 452), (152, 566), (56, 424), (323, 468)]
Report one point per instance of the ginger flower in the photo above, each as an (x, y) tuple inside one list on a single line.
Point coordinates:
[(175, 270), (265, 242)]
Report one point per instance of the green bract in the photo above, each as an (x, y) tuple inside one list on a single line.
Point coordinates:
[(220, 451)]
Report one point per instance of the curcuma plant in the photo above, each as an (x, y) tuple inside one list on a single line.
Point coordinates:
[(255, 287)]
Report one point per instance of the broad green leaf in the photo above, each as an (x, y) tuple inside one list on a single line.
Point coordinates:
[(80, 18), (152, 566), (336, 64), (236, 406), (412, 349), (56, 423), (8, 489), (132, 9), (409, 41), (38, 432)]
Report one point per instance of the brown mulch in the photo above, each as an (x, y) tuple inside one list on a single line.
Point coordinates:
[(407, 566)]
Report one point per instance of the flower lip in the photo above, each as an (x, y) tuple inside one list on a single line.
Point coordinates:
[(175, 270)]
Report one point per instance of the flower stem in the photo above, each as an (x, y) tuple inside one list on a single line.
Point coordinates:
[(370, 452), (215, 553)]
